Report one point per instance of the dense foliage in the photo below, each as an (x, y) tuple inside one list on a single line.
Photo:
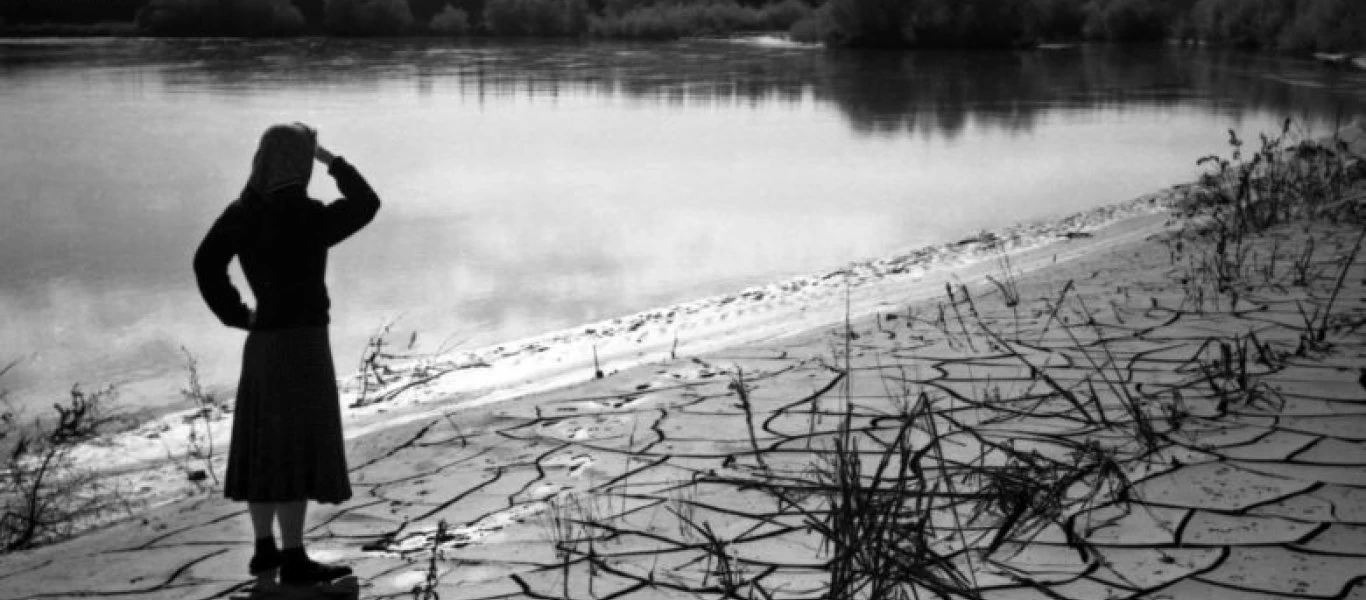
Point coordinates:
[(1297, 25), (220, 17), (450, 21), (921, 23), (541, 18), (1325, 25), (68, 11), (367, 17), (669, 20), (1305, 25), (1126, 20)]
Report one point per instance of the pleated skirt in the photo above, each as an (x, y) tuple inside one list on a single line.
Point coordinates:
[(287, 440)]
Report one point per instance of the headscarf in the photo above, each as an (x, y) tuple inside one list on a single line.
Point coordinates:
[(284, 158)]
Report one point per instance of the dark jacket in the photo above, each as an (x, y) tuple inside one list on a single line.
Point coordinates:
[(282, 243)]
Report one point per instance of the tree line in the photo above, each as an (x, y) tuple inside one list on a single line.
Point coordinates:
[(541, 18), (1292, 25)]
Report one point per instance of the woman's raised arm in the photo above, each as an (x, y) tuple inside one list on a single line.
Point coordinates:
[(357, 206)]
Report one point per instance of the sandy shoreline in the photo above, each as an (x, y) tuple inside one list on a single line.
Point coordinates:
[(1215, 450), (148, 462)]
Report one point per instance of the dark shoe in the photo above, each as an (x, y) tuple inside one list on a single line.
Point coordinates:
[(265, 559), (298, 570)]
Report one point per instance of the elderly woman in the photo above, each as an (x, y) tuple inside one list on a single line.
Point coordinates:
[(287, 445)]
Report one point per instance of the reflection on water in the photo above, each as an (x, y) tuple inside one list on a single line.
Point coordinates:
[(884, 92), (532, 186)]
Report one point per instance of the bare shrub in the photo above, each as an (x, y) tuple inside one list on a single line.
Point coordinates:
[(208, 408), (44, 497)]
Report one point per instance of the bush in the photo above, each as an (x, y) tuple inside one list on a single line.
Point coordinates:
[(1298, 25), (1126, 20), (724, 17), (651, 22), (712, 17), (807, 30), (968, 23), (424, 11), (620, 7), (1056, 19), (69, 11), (1242, 23), (367, 17), (1325, 26), (43, 495), (220, 17), (536, 17), (866, 22), (106, 29), (450, 21), (783, 15), (924, 23)]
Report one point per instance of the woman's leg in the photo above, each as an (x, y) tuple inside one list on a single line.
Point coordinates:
[(291, 516), (267, 556), (262, 519), (295, 566)]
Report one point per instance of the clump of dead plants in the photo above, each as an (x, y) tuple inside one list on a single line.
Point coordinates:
[(1247, 195), (388, 369), (208, 408), (44, 495)]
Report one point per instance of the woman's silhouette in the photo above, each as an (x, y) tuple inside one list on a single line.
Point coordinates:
[(287, 445)]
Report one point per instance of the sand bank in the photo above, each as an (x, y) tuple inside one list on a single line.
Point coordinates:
[(148, 464)]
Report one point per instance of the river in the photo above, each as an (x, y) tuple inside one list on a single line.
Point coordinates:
[(534, 186)]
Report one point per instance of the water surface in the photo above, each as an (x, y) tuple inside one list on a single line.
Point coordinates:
[(535, 186)]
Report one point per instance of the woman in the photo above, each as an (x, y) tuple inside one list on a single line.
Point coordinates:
[(286, 435)]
